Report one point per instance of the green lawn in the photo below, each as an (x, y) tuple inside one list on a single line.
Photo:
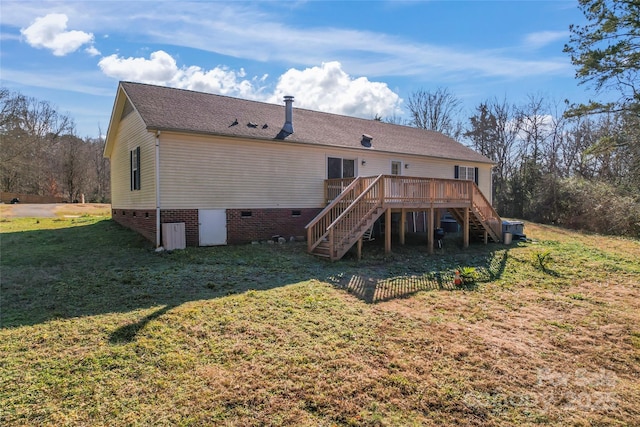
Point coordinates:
[(98, 329)]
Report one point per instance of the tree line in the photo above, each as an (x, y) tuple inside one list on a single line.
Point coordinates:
[(551, 165), (42, 155), (575, 165)]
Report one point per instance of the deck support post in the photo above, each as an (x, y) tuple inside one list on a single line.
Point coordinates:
[(387, 231), (486, 237), (430, 231), (465, 232), (360, 248), (403, 224)]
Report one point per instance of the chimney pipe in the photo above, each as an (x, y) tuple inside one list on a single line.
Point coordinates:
[(288, 115)]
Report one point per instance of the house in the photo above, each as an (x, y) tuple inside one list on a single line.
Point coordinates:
[(236, 171)]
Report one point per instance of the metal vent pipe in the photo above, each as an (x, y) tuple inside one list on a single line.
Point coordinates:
[(288, 115)]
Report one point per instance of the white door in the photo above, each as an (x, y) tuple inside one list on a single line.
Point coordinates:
[(213, 227), (396, 169)]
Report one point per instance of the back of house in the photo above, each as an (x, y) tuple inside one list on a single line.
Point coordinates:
[(234, 170)]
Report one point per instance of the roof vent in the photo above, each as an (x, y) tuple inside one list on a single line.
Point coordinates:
[(366, 140), (287, 129)]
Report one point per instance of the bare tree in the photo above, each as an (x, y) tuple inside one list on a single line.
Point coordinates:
[(29, 129), (99, 178), (436, 111)]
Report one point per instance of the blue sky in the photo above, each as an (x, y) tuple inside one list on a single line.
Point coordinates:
[(361, 58)]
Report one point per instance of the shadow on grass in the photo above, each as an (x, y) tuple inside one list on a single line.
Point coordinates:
[(434, 273), (127, 333), (99, 267)]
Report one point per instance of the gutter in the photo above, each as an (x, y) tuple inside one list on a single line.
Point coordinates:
[(158, 241)]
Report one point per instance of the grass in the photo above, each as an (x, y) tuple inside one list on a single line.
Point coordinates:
[(98, 329)]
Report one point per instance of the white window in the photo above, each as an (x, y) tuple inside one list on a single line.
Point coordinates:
[(466, 173), (396, 167)]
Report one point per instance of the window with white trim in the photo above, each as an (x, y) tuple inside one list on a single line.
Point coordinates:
[(466, 173), (396, 167), (340, 168)]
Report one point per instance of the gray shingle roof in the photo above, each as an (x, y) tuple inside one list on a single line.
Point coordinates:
[(170, 109)]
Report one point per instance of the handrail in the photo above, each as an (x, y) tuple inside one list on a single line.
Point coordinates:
[(333, 203), (490, 215), (339, 224), (350, 208), (342, 231)]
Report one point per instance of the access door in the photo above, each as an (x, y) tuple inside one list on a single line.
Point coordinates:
[(213, 227)]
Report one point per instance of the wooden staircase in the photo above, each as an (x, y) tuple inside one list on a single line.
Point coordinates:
[(359, 204), (484, 222), (345, 220)]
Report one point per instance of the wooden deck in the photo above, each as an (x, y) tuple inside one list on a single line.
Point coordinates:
[(354, 204)]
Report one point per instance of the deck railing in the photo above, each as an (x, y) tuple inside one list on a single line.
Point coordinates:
[(352, 200), (408, 191)]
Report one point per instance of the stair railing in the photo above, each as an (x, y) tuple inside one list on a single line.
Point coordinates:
[(317, 228), (487, 214), (347, 228)]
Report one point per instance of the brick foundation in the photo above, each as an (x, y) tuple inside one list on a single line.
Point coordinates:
[(190, 219), (246, 225), (142, 221), (243, 225)]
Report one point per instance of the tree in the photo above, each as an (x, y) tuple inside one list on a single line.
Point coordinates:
[(483, 131), (73, 165), (606, 52), (99, 176), (29, 132), (435, 111)]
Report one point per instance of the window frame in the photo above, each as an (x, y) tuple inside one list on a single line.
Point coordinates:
[(134, 168), (342, 167), (465, 176), (400, 164)]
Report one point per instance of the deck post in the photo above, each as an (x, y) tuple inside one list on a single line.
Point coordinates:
[(360, 248), (486, 237), (403, 224), (465, 232), (387, 231), (430, 231)]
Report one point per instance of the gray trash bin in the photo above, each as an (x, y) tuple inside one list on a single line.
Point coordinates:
[(507, 238)]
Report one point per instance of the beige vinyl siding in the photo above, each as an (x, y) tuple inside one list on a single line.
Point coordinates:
[(218, 172), (131, 134)]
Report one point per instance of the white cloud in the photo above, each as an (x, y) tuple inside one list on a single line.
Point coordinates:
[(543, 38), (257, 31), (50, 32), (91, 50), (219, 80), (326, 88), (159, 69)]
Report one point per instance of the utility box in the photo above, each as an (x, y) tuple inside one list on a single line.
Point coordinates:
[(515, 228), (174, 236)]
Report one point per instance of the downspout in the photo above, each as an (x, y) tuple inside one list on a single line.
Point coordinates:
[(158, 242)]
